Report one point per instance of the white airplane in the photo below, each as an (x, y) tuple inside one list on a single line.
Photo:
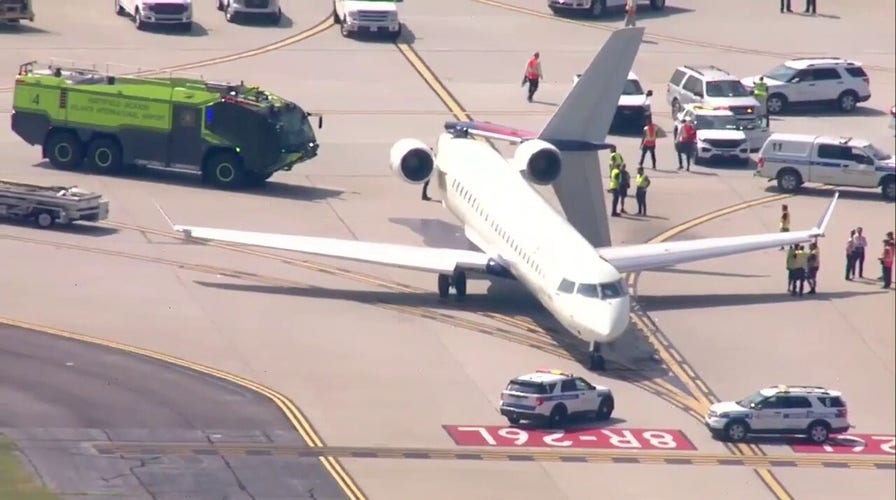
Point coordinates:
[(520, 236)]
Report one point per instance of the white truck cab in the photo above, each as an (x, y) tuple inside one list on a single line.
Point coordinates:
[(147, 12), (368, 16), (235, 9), (598, 8), (794, 159), (14, 11)]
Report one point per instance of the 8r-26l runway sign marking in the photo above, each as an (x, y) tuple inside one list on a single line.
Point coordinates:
[(609, 438)]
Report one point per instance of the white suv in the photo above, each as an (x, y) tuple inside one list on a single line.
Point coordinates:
[(550, 396), (814, 412), (807, 81), (711, 86), (720, 135), (633, 108)]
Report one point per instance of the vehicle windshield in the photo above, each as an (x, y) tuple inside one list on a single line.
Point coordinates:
[(877, 154), (726, 88), (721, 122), (632, 87), (294, 129), (782, 73), (751, 400)]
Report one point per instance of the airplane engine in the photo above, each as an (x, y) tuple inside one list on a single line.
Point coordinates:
[(539, 161), (411, 160)]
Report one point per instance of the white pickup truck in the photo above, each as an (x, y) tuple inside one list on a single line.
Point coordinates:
[(794, 159), (368, 16), (146, 13), (14, 11)]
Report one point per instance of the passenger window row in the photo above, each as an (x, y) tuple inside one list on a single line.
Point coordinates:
[(473, 202)]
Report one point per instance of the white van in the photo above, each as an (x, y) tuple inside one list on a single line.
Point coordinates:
[(794, 159)]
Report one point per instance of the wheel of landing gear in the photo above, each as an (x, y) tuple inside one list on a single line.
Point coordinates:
[(444, 284), (459, 280), (597, 362)]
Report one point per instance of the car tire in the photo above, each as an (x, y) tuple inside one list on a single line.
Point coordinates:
[(789, 180), (847, 101), (818, 432), (104, 155), (598, 8), (775, 104), (888, 188), (343, 30), (221, 5), (605, 409), (513, 420), (736, 431), (557, 417), (657, 4), (676, 108), (276, 18), (138, 23), (64, 150), (119, 10)]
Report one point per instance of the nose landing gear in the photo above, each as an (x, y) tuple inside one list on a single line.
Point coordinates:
[(458, 280), (596, 360)]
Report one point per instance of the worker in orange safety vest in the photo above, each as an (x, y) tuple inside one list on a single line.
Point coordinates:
[(533, 74), (648, 144)]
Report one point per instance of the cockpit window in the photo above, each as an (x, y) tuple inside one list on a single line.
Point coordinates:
[(612, 290), (588, 290), (566, 286)]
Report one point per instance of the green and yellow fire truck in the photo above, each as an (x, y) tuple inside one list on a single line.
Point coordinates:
[(232, 134)]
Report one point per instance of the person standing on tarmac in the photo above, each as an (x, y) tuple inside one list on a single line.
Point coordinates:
[(631, 9), (791, 269), (642, 182), (648, 144), (760, 92), (800, 262), (886, 264), (813, 262), (889, 241), (860, 242), (685, 140), (533, 75), (785, 4), (784, 221), (851, 256), (615, 177), (625, 182)]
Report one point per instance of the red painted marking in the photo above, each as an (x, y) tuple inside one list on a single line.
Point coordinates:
[(495, 128), (609, 438), (851, 444)]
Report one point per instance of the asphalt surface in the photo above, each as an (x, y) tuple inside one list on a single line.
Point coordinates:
[(59, 396)]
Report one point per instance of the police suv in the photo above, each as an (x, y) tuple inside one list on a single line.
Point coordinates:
[(794, 159), (551, 396), (814, 412)]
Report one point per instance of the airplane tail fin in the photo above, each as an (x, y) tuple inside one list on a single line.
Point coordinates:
[(585, 115), (578, 129)]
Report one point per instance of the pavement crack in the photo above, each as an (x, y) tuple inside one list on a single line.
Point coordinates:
[(142, 462), (239, 482)]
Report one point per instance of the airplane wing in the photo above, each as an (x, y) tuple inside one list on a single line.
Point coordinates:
[(490, 130), (439, 260), (633, 258)]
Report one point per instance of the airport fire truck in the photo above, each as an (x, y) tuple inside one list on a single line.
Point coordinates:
[(232, 134)]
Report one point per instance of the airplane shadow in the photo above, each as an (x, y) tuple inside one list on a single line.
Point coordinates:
[(695, 272), (653, 303), (436, 233), (503, 297)]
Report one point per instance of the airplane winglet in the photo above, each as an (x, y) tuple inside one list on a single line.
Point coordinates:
[(822, 225)]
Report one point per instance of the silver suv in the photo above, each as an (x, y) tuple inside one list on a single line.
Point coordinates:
[(711, 86)]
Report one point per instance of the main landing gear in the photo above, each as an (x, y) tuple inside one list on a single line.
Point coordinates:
[(458, 280), (595, 358)]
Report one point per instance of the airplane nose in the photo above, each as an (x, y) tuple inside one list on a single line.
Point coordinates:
[(616, 318)]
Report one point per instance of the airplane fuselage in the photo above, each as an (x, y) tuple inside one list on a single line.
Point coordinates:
[(502, 212)]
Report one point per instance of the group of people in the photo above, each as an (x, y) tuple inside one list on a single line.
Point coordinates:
[(802, 268), (856, 246), (620, 183)]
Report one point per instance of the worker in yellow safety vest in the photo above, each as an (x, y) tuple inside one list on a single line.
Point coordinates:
[(642, 182), (784, 221), (616, 163), (648, 144), (760, 92)]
